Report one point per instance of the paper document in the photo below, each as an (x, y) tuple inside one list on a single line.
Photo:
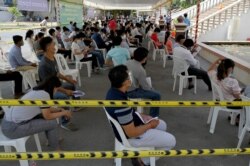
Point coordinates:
[(78, 93)]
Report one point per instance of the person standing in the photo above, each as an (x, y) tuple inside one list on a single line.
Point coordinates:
[(187, 22)]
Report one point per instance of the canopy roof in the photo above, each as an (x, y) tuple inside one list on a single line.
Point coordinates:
[(122, 4)]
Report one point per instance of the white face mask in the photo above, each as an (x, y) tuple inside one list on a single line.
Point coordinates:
[(124, 37)]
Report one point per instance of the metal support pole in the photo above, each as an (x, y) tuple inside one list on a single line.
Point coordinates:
[(197, 21)]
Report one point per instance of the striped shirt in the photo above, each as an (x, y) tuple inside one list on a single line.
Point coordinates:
[(124, 115)]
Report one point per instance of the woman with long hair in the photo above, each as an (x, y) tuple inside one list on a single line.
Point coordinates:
[(29, 37), (221, 75)]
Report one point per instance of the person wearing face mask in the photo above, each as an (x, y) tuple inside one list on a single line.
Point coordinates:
[(16, 59), (65, 38), (48, 68), (141, 130), (141, 87), (83, 55), (59, 48), (181, 51)]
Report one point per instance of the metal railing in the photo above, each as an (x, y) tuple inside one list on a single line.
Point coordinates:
[(220, 16), (192, 11)]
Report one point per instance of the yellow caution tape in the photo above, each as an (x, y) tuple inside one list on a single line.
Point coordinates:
[(116, 103), (122, 154)]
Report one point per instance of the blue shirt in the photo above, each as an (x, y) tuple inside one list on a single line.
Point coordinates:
[(187, 21), (98, 39), (16, 59), (123, 115), (118, 55)]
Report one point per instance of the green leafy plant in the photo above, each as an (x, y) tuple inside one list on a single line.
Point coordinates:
[(15, 12)]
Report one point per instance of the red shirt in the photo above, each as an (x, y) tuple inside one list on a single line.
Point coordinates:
[(154, 37), (112, 25)]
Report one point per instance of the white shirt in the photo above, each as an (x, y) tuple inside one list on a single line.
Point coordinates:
[(182, 52), (228, 86), (76, 48), (72, 34), (44, 23), (67, 45), (135, 32), (18, 114)]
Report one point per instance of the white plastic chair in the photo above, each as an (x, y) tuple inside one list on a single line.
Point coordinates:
[(29, 78), (19, 143), (103, 50), (157, 50), (247, 124), (64, 68), (87, 63), (180, 66), (214, 111), (125, 145)]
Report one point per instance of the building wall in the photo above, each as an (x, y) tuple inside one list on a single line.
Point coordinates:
[(220, 33)]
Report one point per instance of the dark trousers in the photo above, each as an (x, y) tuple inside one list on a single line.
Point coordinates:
[(66, 53), (13, 76), (200, 74), (103, 45), (139, 37), (93, 59)]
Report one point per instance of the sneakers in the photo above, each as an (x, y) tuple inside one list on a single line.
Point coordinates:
[(69, 126)]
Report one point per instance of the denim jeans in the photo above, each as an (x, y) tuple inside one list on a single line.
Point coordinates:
[(99, 56), (62, 96), (146, 94)]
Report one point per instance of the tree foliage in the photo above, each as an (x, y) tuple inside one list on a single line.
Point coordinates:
[(15, 12)]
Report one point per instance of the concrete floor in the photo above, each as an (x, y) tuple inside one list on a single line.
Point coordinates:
[(187, 124)]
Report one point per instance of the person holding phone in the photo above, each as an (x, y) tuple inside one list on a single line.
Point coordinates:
[(141, 130), (83, 55)]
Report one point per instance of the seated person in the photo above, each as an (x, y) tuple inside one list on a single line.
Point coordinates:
[(37, 48), (168, 45), (92, 50), (139, 131), (48, 68), (182, 52), (67, 42), (13, 76), (99, 41), (22, 121), (61, 50), (136, 32), (16, 59), (229, 86), (118, 54), (143, 89), (155, 39), (83, 55), (221, 75)]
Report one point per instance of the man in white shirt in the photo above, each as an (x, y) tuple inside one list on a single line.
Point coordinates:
[(136, 32), (44, 22), (182, 52)]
